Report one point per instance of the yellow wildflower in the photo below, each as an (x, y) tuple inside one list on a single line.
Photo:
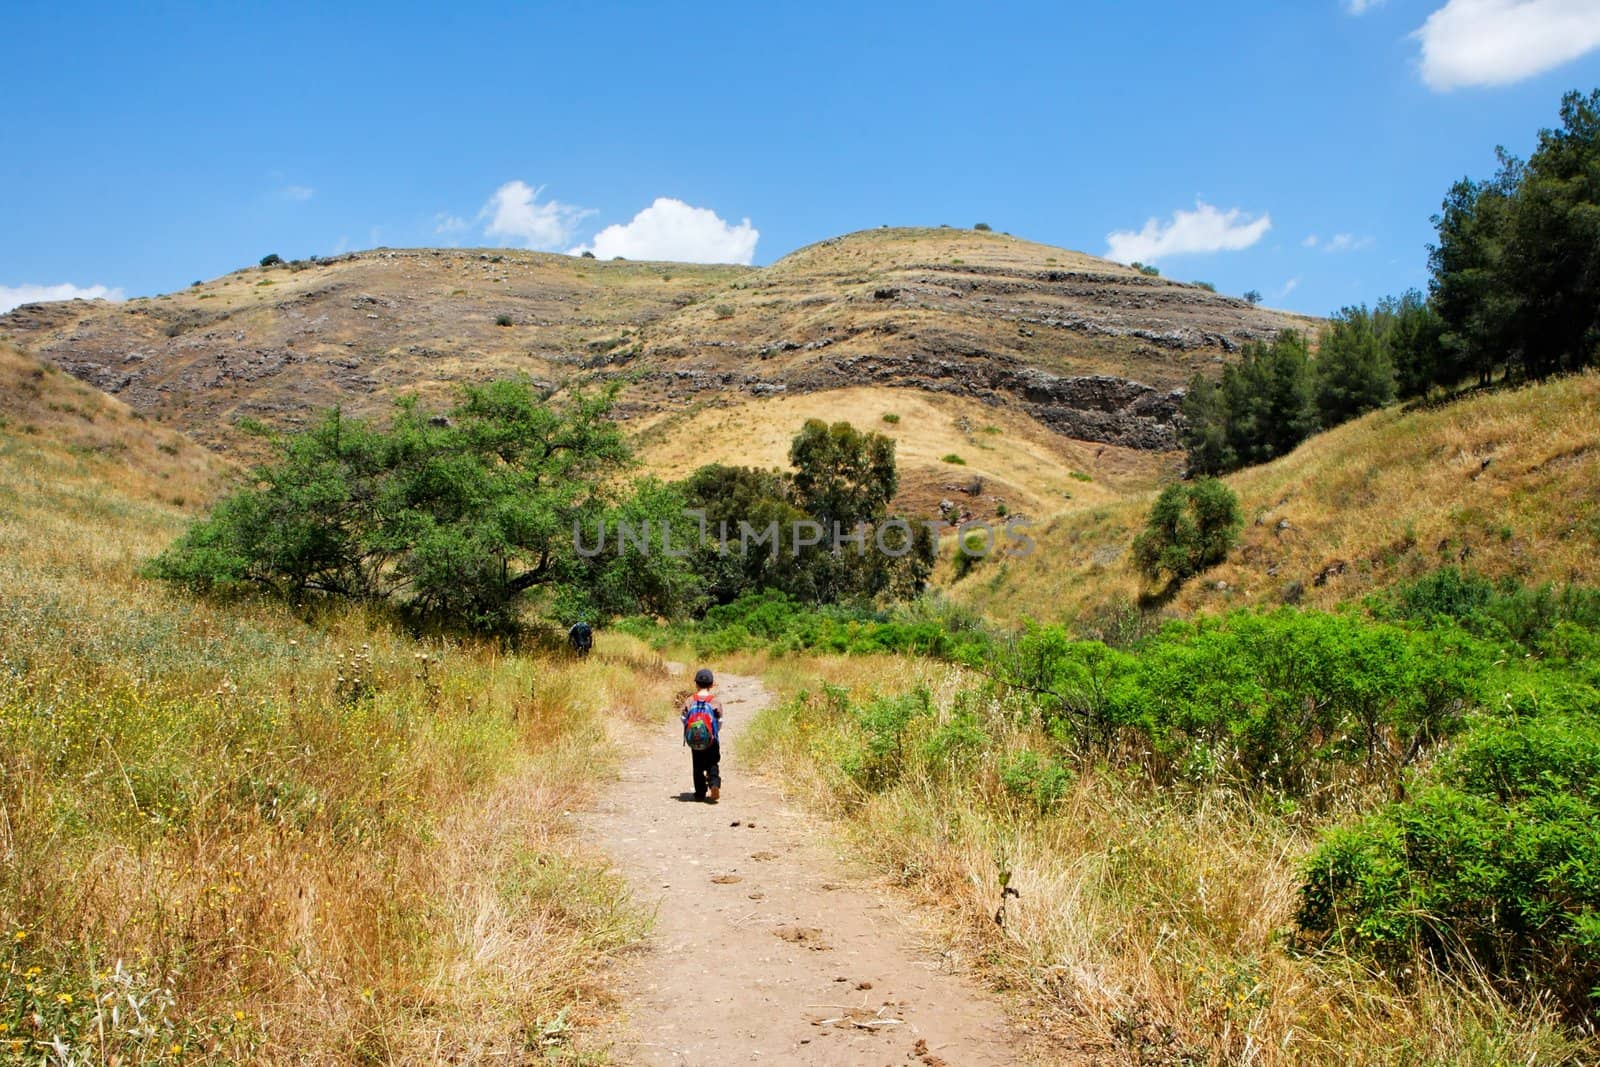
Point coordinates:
[(238, 1016), (63, 998), (21, 935)]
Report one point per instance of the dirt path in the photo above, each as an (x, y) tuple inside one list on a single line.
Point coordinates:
[(765, 950)]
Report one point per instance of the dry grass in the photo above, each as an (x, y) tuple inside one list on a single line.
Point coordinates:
[(1149, 926), (1507, 484), (1021, 463), (232, 832)]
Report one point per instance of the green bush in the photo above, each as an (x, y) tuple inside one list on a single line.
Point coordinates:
[(890, 417), (271, 260), (1506, 610), (953, 459), (502, 320), (1191, 527), (1038, 781), (879, 756), (1286, 701), (1494, 864)]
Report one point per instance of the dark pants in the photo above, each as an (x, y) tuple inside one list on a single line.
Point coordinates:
[(706, 774)]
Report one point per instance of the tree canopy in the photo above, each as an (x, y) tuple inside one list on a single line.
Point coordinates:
[(453, 517)]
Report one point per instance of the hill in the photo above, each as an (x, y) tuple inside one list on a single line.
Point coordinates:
[(54, 426), (281, 342), (1090, 349), (1503, 483), (1093, 349)]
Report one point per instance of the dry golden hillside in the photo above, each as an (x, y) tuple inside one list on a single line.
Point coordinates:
[(1008, 461), (1507, 484), (51, 423), (1092, 350)]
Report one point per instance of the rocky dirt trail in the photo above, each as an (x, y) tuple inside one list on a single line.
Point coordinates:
[(766, 949)]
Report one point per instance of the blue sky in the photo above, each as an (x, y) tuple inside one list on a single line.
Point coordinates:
[(147, 147)]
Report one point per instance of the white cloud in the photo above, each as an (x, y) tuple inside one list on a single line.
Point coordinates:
[(1347, 242), (16, 295), (1361, 7), (300, 193), (1205, 229), (1289, 286), (444, 222), (515, 213), (671, 229), (1498, 42), (1310, 241)]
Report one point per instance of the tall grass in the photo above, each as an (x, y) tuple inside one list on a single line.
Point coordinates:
[(235, 832), (1150, 926)]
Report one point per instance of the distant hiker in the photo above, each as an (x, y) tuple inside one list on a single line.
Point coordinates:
[(702, 724), (581, 638)]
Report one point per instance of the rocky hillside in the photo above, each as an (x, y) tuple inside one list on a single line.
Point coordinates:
[(1091, 349)]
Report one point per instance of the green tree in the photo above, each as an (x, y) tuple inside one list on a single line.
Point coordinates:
[(452, 518), (1515, 271), (1412, 332), (1269, 399), (1205, 427), (1192, 526), (1353, 370)]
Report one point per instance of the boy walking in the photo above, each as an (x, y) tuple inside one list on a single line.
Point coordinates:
[(702, 725)]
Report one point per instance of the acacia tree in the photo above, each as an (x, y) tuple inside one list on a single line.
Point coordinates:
[(453, 517)]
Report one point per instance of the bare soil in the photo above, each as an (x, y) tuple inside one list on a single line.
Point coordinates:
[(767, 947)]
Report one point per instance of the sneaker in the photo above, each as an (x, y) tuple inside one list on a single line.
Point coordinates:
[(715, 794)]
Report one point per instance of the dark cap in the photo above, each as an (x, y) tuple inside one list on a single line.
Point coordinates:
[(702, 678)]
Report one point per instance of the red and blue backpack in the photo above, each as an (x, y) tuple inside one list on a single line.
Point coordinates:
[(700, 723)]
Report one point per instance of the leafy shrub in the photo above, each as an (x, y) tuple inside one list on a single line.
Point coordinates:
[(724, 311), (890, 417), (982, 227), (952, 458), (1507, 610), (271, 260), (878, 758), (502, 320), (1252, 296), (1285, 700), (1494, 864), (1191, 527), (1038, 781), (1207, 286)]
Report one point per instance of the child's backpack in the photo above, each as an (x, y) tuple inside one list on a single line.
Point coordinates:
[(700, 725)]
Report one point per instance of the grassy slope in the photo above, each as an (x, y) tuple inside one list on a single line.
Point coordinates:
[(1023, 464), (282, 839), (1504, 483)]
